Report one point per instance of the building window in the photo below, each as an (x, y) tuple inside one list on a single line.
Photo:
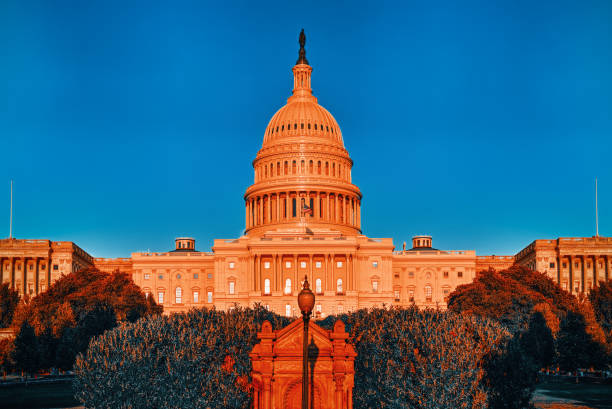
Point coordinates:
[(195, 276), (232, 287), (340, 309), (318, 309), (147, 294), (55, 267), (446, 274), (266, 264), (576, 265), (318, 286), (411, 274), (459, 274), (196, 296), (375, 286), (428, 293), (375, 264), (160, 277), (446, 290), (576, 286), (209, 275), (302, 264), (178, 276), (288, 286), (232, 265), (551, 265), (396, 294), (339, 264), (147, 276), (209, 297), (32, 267), (160, 297), (267, 307), (339, 286), (564, 286), (288, 310), (317, 264), (178, 295), (267, 286), (564, 265), (287, 264)]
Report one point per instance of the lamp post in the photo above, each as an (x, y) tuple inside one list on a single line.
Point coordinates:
[(306, 300)]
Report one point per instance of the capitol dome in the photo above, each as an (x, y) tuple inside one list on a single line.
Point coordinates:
[(302, 171)]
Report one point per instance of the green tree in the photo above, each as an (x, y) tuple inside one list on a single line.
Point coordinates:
[(575, 346), (9, 299), (6, 356), (25, 350), (601, 300)]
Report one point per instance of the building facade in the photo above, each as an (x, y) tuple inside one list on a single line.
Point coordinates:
[(303, 217)]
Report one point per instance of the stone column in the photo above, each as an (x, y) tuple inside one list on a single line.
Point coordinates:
[(1, 270), (606, 269), (349, 257), (571, 274), (310, 277), (339, 378), (326, 213), (317, 206), (327, 280), (559, 270), (295, 274), (582, 265), (267, 401), (12, 272), (274, 272), (594, 271), (36, 276), (24, 275), (287, 206), (257, 278)]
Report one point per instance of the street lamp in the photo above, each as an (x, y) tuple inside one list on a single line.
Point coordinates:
[(306, 300)]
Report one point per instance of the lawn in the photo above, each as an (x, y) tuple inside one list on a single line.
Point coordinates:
[(573, 395), (45, 395)]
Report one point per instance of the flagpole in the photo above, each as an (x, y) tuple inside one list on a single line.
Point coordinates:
[(596, 212), (11, 216)]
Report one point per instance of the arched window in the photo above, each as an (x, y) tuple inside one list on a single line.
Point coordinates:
[(232, 287), (178, 295), (288, 286), (319, 167), (286, 168), (278, 168), (302, 167), (293, 168), (288, 310), (326, 168), (339, 286), (196, 296), (318, 286), (310, 165), (267, 286)]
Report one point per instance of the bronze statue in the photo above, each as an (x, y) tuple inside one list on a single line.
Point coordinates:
[(302, 56)]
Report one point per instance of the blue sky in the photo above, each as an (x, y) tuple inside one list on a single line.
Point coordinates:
[(484, 124)]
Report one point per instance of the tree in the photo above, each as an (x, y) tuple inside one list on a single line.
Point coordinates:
[(25, 350), (576, 347), (9, 299), (6, 356), (601, 300), (77, 307), (538, 342)]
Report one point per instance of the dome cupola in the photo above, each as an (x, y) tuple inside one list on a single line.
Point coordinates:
[(302, 171)]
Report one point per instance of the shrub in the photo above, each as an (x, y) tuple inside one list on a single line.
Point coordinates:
[(406, 359), (197, 359), (9, 299)]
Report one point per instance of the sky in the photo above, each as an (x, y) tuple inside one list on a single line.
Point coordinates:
[(125, 124)]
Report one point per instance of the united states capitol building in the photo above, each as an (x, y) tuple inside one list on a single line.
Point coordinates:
[(303, 218)]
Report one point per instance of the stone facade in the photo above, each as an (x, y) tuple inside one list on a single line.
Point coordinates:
[(303, 216)]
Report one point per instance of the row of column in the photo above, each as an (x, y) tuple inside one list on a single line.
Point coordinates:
[(581, 272), (328, 269), (41, 267), (302, 168), (279, 207)]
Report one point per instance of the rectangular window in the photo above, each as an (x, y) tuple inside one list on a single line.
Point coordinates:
[(209, 297), (196, 276), (446, 274), (147, 295), (161, 277), (287, 264), (160, 298), (375, 286), (31, 267), (551, 265), (411, 295), (196, 296), (396, 293), (340, 309), (55, 267), (459, 274), (267, 307), (319, 309), (293, 202), (232, 265), (318, 264), (411, 274), (232, 287), (302, 264), (288, 310), (564, 286), (209, 275), (564, 265), (375, 264), (267, 265), (147, 276), (339, 264)]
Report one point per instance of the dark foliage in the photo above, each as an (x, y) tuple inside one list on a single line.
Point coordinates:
[(407, 359), (25, 353), (9, 299), (178, 361), (77, 307), (601, 300), (576, 347)]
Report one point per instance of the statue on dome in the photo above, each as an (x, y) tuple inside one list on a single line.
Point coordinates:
[(302, 56)]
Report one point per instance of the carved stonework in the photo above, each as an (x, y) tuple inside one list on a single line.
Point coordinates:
[(277, 367)]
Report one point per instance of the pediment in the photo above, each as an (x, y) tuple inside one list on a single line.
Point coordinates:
[(289, 340)]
